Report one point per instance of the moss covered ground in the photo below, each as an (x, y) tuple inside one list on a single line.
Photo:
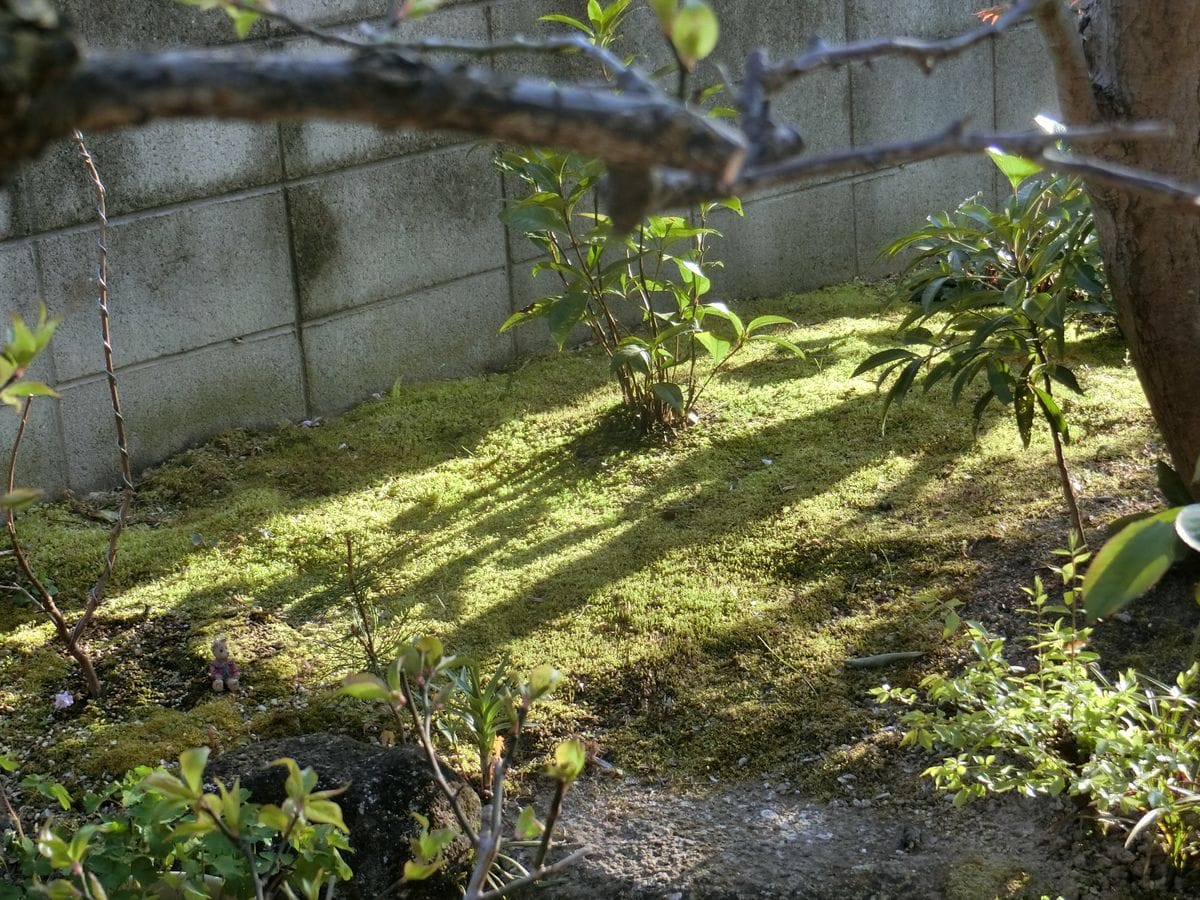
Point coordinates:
[(702, 597)]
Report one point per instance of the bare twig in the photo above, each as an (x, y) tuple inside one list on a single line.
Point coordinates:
[(679, 188), (295, 25), (41, 596), (628, 78), (925, 53), (1166, 192), (97, 592), (535, 875)]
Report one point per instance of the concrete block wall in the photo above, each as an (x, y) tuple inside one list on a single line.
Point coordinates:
[(265, 273)]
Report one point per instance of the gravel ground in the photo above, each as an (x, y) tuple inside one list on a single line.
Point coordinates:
[(759, 839)]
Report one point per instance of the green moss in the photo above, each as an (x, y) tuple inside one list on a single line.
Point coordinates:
[(148, 736), (702, 597)]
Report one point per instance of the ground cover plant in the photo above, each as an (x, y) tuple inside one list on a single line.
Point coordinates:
[(702, 599)]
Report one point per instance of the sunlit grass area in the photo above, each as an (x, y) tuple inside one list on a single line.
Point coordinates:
[(702, 597)]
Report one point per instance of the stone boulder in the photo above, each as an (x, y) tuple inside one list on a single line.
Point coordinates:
[(387, 785)]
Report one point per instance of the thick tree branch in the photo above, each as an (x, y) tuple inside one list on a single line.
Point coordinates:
[(387, 88), (1059, 29)]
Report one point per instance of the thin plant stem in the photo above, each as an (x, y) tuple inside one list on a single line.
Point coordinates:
[(98, 590), (42, 597)]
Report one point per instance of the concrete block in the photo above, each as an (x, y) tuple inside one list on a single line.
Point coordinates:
[(522, 18), (792, 242), (377, 233), (8, 212), (312, 147), (40, 463), (926, 19), (894, 101), (18, 282), (1024, 80), (149, 24), (178, 402), (895, 203), (161, 163), (177, 281), (446, 332), (334, 11)]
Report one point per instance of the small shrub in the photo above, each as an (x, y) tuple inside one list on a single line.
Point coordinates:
[(1129, 746), (424, 684), (155, 831), (657, 276), (993, 292)]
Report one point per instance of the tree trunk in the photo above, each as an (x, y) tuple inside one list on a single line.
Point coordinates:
[(1144, 57)]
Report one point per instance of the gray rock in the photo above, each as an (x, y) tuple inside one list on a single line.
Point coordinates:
[(386, 786)]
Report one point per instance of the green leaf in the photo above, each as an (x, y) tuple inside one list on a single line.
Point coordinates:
[(1187, 525), (542, 681), (694, 32), (565, 313), (366, 687), (1130, 563), (1065, 377), (1015, 168), (1024, 407), (670, 394), (415, 871), (566, 20), (325, 812), (60, 793), (191, 766), (764, 321), (1170, 485), (633, 357), (569, 759), (1054, 414), (882, 358), (528, 827), (532, 219), (18, 498)]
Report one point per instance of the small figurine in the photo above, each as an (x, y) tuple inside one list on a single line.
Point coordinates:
[(222, 670)]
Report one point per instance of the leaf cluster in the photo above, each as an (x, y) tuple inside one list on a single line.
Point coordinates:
[(992, 293), (158, 830), (1129, 746)]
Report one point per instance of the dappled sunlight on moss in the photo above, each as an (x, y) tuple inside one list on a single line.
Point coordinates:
[(701, 597)]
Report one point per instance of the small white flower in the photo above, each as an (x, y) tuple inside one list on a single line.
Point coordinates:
[(63, 699)]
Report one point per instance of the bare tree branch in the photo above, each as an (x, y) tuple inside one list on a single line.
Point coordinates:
[(673, 188), (1165, 192), (926, 54)]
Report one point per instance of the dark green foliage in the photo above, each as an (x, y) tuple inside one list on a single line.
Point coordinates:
[(993, 292)]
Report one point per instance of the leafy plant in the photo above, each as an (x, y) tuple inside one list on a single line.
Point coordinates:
[(1142, 549), (1129, 746), (656, 276), (156, 831), (22, 344), (993, 292), (422, 684), (479, 708)]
